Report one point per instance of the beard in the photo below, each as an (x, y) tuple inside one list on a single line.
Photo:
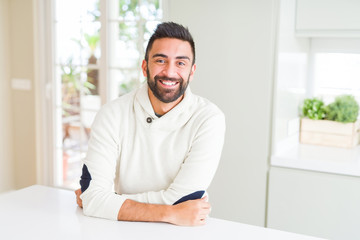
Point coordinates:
[(167, 95)]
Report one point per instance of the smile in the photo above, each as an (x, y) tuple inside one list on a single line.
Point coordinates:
[(168, 83)]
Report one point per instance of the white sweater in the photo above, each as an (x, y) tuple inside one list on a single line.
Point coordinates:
[(157, 162)]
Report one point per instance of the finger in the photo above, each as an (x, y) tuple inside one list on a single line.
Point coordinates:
[(202, 221), (203, 216), (204, 212), (79, 203)]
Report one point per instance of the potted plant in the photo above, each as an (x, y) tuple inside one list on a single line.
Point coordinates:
[(333, 125), (93, 74)]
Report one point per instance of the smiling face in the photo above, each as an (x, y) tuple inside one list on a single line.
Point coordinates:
[(169, 70)]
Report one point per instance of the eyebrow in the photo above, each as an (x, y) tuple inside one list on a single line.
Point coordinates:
[(165, 56)]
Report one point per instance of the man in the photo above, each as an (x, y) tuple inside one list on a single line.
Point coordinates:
[(158, 146)]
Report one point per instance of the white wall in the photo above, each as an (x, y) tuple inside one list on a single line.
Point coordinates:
[(234, 43), (291, 74), (6, 161), (23, 102), (17, 108)]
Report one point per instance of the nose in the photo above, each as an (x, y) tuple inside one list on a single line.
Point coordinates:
[(170, 70)]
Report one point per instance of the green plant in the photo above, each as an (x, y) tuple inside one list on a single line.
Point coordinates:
[(92, 41), (314, 108), (72, 86), (344, 109)]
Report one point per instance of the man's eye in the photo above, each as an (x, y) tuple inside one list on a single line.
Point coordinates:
[(160, 61), (181, 63)]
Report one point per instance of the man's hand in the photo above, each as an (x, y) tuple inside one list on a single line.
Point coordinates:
[(78, 199), (190, 213)]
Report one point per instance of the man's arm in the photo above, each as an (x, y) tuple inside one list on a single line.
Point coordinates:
[(189, 213)]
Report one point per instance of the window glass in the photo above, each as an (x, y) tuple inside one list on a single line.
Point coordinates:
[(336, 74), (131, 23), (78, 26)]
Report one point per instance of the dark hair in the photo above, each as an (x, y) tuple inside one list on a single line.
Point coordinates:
[(171, 30)]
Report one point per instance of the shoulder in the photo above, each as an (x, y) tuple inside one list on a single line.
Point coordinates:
[(206, 114), (205, 108)]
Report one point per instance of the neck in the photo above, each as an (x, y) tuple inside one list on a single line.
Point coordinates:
[(160, 107)]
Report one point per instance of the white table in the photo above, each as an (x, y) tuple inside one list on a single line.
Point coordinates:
[(39, 212)]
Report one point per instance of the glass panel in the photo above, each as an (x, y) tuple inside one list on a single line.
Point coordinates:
[(336, 74), (77, 11), (337, 70), (71, 87), (90, 41), (150, 9), (72, 163), (129, 31), (123, 41), (68, 48), (91, 85), (128, 10), (77, 55), (78, 43), (72, 132), (123, 81), (148, 30)]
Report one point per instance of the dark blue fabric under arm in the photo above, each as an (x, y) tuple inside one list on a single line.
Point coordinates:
[(85, 178), (191, 196)]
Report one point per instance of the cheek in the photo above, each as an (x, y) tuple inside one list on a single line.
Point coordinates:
[(186, 75), (155, 71)]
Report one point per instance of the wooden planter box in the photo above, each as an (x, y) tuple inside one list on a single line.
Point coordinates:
[(329, 133)]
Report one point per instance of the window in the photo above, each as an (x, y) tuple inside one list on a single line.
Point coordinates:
[(336, 68), (99, 46)]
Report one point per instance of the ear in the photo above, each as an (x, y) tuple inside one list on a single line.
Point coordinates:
[(144, 68), (193, 68)]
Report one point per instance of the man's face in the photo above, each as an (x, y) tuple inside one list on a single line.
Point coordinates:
[(169, 68)]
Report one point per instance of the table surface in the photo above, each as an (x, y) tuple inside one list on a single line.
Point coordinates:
[(40, 212)]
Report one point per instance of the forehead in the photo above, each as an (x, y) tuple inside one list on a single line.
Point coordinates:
[(171, 47)]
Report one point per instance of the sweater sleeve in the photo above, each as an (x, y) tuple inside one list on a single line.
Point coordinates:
[(100, 200), (198, 168)]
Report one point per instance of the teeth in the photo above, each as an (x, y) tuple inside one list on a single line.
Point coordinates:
[(168, 83)]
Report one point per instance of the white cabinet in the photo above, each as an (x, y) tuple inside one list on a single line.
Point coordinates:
[(332, 18), (314, 203)]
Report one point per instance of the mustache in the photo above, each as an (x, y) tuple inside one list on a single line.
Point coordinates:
[(157, 78)]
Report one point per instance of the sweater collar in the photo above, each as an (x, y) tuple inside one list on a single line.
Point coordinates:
[(173, 119)]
